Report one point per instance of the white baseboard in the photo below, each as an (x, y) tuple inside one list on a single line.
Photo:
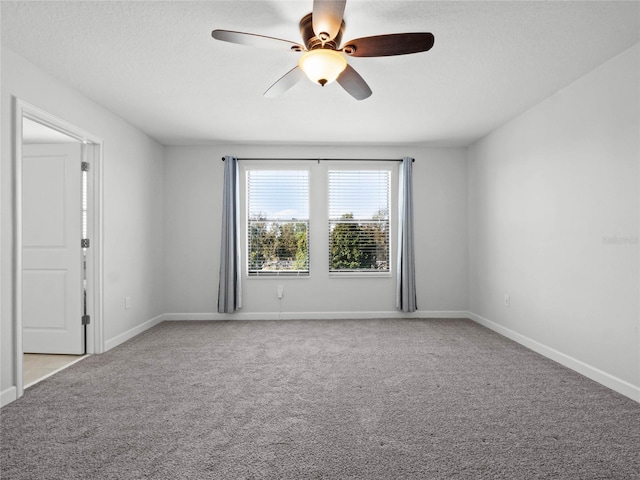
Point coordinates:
[(239, 315), (194, 316), (614, 383), (129, 334), (7, 396)]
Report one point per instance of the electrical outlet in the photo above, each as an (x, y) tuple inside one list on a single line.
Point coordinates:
[(127, 303), (280, 291), (507, 301)]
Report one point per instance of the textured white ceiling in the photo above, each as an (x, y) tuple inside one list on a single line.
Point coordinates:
[(155, 64)]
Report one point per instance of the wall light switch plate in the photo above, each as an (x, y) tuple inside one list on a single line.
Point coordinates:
[(507, 301), (280, 291)]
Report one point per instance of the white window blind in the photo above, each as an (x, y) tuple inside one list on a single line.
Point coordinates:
[(359, 220), (278, 222)]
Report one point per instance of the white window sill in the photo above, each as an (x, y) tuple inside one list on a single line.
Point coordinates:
[(359, 275)]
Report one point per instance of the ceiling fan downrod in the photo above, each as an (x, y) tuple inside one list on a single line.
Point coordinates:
[(321, 40)]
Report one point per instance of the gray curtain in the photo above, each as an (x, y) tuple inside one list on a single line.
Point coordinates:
[(406, 280), (230, 287)]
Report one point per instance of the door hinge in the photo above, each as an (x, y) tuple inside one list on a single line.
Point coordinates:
[(86, 319), (85, 243), (84, 166)]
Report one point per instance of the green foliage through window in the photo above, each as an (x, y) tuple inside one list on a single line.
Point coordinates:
[(276, 246)]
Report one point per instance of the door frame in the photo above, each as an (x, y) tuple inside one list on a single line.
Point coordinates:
[(92, 152)]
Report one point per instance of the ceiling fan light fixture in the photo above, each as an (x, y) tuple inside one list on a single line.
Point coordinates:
[(322, 65)]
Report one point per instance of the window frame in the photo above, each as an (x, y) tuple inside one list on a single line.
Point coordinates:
[(318, 237), (363, 166), (246, 167)]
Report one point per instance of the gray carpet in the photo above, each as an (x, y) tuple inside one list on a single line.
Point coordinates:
[(362, 399)]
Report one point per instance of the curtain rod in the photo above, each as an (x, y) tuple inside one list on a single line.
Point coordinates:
[(332, 159)]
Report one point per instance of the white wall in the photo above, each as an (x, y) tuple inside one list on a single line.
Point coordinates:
[(545, 209), (133, 181), (554, 223), (193, 200)]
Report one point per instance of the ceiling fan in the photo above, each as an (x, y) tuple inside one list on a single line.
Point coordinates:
[(324, 60)]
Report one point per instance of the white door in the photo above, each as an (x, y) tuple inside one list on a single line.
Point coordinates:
[(52, 290)]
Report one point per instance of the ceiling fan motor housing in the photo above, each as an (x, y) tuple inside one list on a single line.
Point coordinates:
[(313, 41)]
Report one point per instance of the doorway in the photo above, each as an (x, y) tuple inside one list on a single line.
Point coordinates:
[(38, 366), (57, 268)]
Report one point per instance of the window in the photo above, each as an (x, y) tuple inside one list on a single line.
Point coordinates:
[(336, 211), (277, 222), (359, 221)]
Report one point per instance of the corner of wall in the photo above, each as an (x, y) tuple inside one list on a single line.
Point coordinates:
[(610, 381), (7, 396)]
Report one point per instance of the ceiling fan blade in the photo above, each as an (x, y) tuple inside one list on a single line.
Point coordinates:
[(251, 39), (327, 17), (354, 84), (285, 82), (387, 45)]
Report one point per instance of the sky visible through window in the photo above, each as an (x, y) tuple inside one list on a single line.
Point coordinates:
[(284, 194), (279, 194), (362, 193)]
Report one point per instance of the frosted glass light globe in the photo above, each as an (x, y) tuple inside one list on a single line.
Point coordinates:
[(322, 65)]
